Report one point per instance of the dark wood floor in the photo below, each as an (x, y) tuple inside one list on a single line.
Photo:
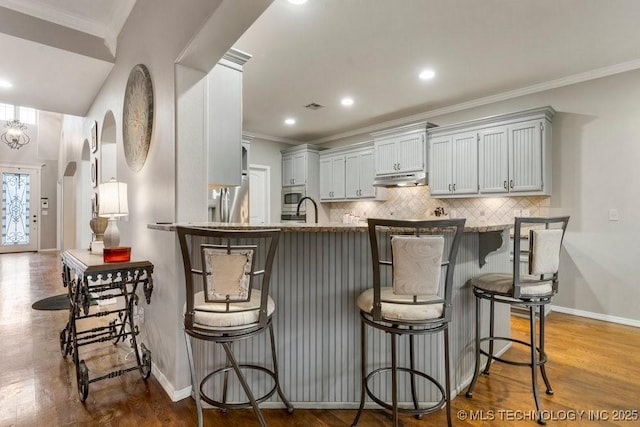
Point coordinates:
[(594, 366)]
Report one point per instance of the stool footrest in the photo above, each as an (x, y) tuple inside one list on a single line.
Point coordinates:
[(237, 405), (541, 360), (413, 411)]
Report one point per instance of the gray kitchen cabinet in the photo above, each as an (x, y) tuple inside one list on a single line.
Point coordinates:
[(332, 177), (347, 174), (454, 164), (223, 120), (300, 167), (400, 150), (513, 153)]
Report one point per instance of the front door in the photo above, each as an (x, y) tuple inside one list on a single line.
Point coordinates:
[(19, 207)]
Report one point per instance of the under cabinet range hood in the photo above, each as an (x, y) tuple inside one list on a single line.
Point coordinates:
[(401, 180)]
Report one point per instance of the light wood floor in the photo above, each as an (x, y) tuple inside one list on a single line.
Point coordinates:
[(594, 366)]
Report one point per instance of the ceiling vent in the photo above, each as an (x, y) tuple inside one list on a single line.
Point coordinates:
[(314, 106)]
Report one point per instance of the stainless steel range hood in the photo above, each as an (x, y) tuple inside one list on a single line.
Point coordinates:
[(402, 180)]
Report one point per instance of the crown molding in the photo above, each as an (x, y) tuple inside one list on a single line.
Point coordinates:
[(271, 138), (528, 90)]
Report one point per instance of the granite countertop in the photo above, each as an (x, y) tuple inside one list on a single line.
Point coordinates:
[(331, 227)]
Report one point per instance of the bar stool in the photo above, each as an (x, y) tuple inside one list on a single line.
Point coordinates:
[(224, 304), (422, 256), (532, 291)]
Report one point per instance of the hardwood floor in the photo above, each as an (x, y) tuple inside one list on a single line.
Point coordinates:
[(594, 366)]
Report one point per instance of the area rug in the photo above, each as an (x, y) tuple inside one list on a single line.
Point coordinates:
[(58, 302)]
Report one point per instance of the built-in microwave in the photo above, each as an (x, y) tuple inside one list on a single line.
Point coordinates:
[(291, 196)]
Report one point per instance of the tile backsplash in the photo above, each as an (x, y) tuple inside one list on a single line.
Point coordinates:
[(416, 202)]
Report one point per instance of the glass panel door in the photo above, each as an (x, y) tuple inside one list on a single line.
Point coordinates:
[(18, 207)]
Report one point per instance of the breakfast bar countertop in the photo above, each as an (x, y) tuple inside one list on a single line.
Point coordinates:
[(331, 227)]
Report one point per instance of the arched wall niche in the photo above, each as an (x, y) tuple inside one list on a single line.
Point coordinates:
[(107, 142)]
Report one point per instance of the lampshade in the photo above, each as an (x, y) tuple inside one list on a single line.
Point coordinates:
[(113, 199)]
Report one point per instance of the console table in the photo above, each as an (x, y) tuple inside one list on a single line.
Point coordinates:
[(88, 278)]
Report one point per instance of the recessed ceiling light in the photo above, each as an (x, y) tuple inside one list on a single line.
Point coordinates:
[(427, 74), (290, 121), (346, 101), (5, 84), (297, 2)]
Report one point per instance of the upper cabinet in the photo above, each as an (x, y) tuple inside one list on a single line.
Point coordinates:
[(508, 154), (300, 166), (454, 164), (347, 174), (400, 150), (332, 177), (223, 120)]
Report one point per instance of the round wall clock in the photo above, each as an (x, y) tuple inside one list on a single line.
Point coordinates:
[(137, 117)]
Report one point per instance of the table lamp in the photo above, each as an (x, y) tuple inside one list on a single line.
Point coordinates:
[(113, 204)]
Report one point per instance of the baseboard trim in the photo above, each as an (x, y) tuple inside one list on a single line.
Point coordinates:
[(174, 395), (597, 316)]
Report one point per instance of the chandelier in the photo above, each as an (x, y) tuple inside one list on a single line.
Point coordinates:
[(15, 136)]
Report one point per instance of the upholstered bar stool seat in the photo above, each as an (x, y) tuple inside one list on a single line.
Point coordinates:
[(502, 283), (400, 307), (533, 291), (422, 256), (240, 314)]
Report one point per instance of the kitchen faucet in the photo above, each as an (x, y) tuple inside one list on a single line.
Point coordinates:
[(315, 206)]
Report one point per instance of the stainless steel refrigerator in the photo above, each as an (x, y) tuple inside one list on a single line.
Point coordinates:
[(231, 204)]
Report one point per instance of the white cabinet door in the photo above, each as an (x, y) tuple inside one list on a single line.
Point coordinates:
[(367, 174), (385, 155), (332, 177), (352, 175), (465, 163), (287, 171), (525, 159), (410, 151), (440, 166), (326, 178), (299, 174), (494, 160)]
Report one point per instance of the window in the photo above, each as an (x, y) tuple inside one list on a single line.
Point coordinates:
[(27, 115), (7, 112), (24, 114)]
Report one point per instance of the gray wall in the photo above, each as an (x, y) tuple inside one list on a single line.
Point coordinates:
[(267, 153)]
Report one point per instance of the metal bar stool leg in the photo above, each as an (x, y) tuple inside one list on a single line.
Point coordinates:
[(534, 363), (476, 369), (363, 373), (194, 378), (275, 370), (412, 366), (491, 330), (225, 385), (543, 371), (244, 384), (447, 376), (394, 379)]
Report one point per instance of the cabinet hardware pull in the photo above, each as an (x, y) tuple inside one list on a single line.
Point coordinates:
[(454, 187), (511, 183), (505, 184), (449, 187)]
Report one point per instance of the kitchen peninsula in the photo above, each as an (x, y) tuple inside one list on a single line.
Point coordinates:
[(319, 271)]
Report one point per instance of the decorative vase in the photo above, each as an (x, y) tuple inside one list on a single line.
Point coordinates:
[(98, 224)]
